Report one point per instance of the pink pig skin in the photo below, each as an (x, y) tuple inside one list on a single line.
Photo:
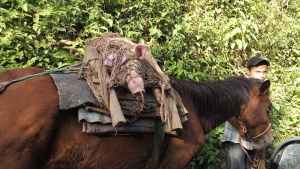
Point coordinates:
[(110, 59), (134, 80), (135, 84)]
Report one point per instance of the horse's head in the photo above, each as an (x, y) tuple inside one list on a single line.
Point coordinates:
[(254, 117)]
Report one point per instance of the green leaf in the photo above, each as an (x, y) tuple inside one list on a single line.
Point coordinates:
[(163, 14), (277, 106), (253, 36), (235, 31), (296, 51), (242, 14), (255, 27), (239, 43), (175, 32), (46, 12), (104, 28), (178, 27), (61, 54), (244, 28), (153, 31), (232, 45), (109, 21), (232, 21), (25, 7)]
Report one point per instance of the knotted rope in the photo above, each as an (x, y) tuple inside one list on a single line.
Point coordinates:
[(258, 160)]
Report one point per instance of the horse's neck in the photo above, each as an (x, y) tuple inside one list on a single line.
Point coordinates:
[(209, 125), (214, 102)]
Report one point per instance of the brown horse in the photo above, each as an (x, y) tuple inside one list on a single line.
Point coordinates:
[(35, 134)]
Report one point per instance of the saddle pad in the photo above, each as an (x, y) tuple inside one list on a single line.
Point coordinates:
[(102, 129), (98, 124), (73, 92), (93, 117), (95, 123)]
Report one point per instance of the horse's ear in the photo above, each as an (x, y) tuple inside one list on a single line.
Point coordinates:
[(264, 88)]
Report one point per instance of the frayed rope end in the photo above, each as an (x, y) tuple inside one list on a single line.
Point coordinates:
[(3, 85)]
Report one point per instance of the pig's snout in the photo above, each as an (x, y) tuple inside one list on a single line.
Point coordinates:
[(136, 85)]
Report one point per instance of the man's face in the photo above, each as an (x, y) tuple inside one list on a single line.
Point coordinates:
[(259, 72)]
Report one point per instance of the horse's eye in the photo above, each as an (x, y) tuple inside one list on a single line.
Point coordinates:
[(270, 107)]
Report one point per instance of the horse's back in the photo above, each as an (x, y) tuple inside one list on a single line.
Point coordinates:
[(18, 73), (27, 116)]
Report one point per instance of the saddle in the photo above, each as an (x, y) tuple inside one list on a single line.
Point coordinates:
[(110, 87)]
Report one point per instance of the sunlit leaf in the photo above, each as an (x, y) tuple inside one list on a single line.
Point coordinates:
[(253, 36), (45, 12), (25, 7), (109, 21), (244, 28), (232, 45), (242, 14), (235, 31), (296, 51), (255, 27), (245, 45), (103, 27), (239, 43), (174, 33), (232, 21), (153, 31)]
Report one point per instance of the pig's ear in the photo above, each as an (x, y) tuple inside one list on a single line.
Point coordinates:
[(140, 50), (110, 60), (123, 59)]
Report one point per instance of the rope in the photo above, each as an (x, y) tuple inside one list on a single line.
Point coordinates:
[(257, 159), (246, 152), (3, 85), (73, 52), (262, 132), (143, 101)]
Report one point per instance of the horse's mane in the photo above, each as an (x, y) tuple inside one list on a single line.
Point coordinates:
[(215, 100)]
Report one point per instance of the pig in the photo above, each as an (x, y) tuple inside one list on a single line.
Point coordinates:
[(131, 76)]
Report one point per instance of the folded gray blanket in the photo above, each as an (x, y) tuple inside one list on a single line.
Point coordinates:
[(73, 92)]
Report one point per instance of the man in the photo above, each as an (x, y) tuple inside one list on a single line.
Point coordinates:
[(236, 158)]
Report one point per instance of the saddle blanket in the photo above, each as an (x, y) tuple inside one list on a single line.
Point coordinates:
[(74, 92), (99, 124)]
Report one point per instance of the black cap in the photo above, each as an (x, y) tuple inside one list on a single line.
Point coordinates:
[(255, 60)]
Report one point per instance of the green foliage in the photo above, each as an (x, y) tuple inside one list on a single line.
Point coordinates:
[(196, 40), (212, 155), (286, 100)]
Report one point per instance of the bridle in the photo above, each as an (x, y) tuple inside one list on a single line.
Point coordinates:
[(245, 132), (244, 127)]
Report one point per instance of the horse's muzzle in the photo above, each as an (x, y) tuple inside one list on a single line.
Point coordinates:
[(263, 141)]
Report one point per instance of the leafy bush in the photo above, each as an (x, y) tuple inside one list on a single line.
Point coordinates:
[(197, 40)]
